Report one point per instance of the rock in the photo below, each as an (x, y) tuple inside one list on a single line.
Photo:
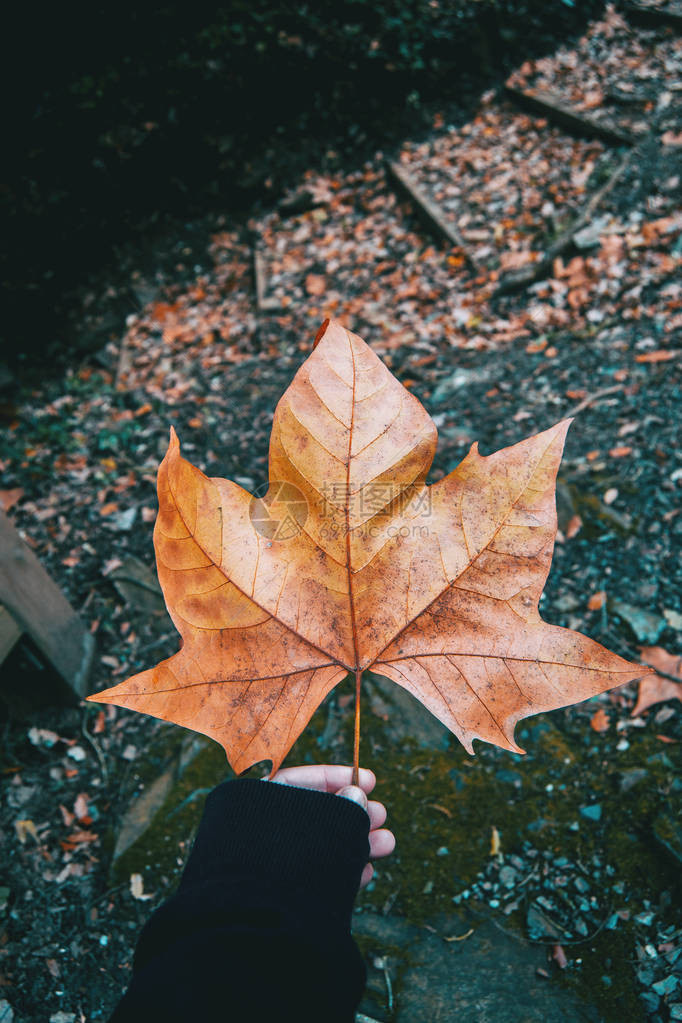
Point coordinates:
[(142, 811), (645, 625), (588, 237), (137, 583), (6, 1011), (63, 1017), (406, 718), (456, 381), (650, 1000), (540, 926), (673, 618), (593, 812), (667, 985), (668, 833), (507, 876), (489, 976), (632, 777)]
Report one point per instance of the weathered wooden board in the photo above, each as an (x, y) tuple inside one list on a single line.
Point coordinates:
[(429, 212), (41, 611), (264, 303), (645, 14), (557, 110)]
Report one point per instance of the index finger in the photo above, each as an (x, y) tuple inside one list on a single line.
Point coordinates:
[(325, 777)]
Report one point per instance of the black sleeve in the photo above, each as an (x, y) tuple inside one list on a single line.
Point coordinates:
[(259, 928)]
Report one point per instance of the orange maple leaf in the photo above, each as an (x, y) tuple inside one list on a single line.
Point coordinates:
[(351, 562)]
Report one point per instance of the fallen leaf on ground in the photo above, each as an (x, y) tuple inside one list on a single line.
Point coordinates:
[(600, 720), (655, 688), (597, 601), (24, 829), (315, 284), (661, 355), (350, 562), (8, 498), (575, 524), (559, 957)]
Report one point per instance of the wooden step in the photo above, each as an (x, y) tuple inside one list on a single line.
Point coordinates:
[(556, 109), (39, 609)]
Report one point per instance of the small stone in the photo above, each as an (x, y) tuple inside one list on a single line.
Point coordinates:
[(647, 627), (130, 752), (666, 986), (62, 1017), (76, 753), (507, 876), (443, 851), (582, 885), (673, 618), (650, 1000), (6, 1011), (592, 812), (632, 777), (646, 919), (675, 1010)]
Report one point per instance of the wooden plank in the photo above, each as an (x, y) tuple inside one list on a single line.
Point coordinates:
[(263, 303), (42, 611), (556, 109), (9, 632), (520, 279), (643, 14), (429, 212)]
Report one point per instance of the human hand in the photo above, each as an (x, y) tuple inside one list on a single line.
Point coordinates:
[(336, 779)]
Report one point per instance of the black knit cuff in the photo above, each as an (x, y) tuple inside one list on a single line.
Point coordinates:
[(283, 834)]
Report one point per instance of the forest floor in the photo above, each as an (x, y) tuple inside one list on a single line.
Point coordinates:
[(562, 866)]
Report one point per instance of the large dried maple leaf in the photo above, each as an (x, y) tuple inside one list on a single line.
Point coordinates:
[(351, 562)]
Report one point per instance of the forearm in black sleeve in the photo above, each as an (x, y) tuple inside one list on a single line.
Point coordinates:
[(259, 927)]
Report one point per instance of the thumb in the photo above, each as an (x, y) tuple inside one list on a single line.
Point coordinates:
[(355, 794)]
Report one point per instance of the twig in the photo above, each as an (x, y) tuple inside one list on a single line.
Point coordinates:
[(95, 746), (154, 643), (591, 398), (522, 278), (577, 941), (459, 937), (152, 587), (123, 364)]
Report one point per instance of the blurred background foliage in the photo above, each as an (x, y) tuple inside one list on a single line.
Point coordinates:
[(119, 117)]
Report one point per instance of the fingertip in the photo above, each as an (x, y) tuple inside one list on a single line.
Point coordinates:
[(367, 875), (355, 794), (367, 779)]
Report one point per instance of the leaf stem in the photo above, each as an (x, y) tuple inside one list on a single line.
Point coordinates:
[(356, 742)]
